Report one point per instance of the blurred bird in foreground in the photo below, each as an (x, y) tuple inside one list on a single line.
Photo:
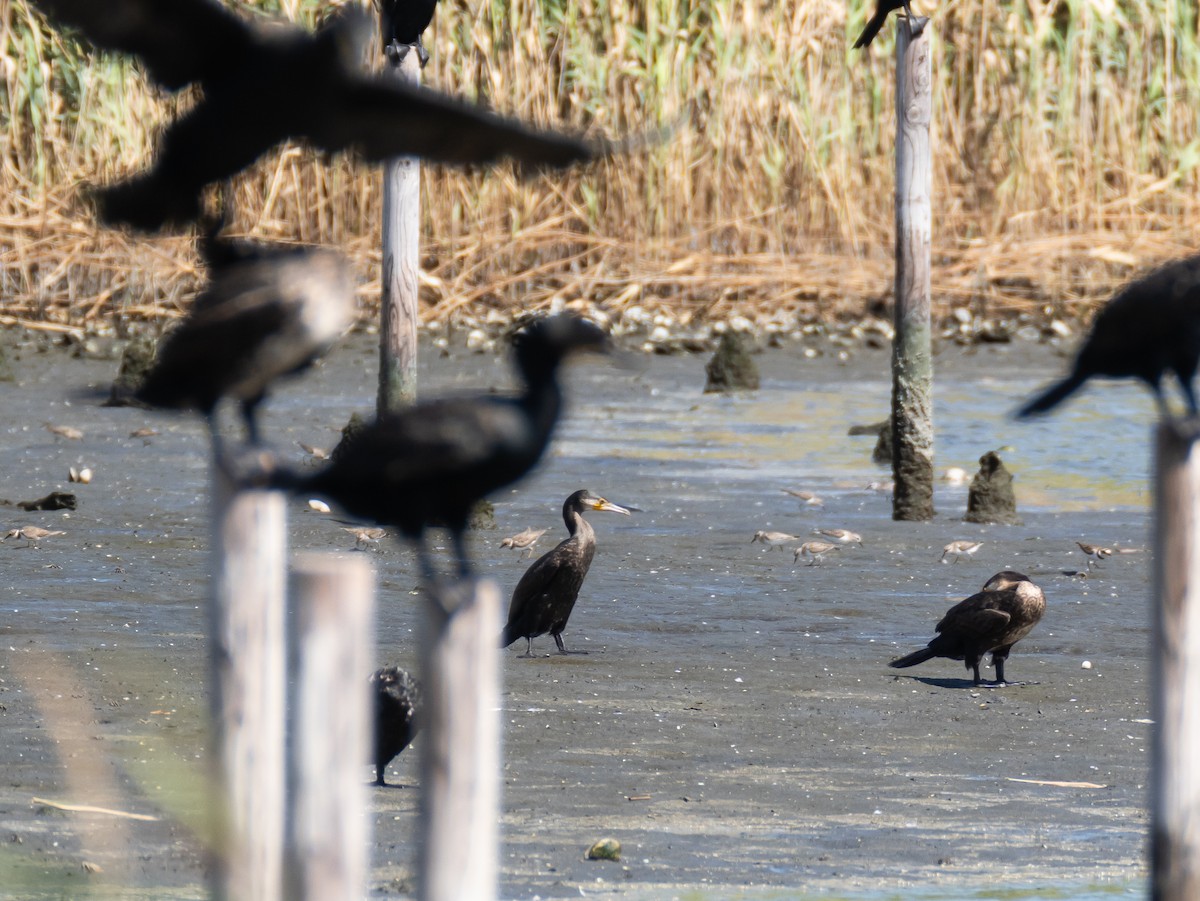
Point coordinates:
[(397, 700), (1149, 329), (544, 598), (401, 24), (429, 464), (265, 82), (267, 311), (995, 619)]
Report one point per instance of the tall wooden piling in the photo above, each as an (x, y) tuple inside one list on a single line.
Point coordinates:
[(399, 317), (330, 807), (912, 362), (460, 742), (246, 635), (1175, 653)]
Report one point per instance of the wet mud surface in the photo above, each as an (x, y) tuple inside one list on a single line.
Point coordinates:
[(734, 723)]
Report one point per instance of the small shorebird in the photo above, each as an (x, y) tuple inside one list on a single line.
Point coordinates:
[(960, 549), (65, 431), (841, 536), (806, 497), (32, 534), (773, 539), (364, 536), (1094, 552), (317, 453), (524, 541), (814, 549)]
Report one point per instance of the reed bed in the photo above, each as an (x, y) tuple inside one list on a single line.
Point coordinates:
[(1065, 159)]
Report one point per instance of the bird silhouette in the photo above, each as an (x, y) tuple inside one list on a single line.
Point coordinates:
[(401, 24), (875, 23), (265, 82), (397, 701)]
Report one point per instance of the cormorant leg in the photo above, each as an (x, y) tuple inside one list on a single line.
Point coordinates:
[(916, 24), (528, 648), (459, 537), (1189, 394), (974, 664), (998, 662), (379, 780), (562, 648), (250, 417)]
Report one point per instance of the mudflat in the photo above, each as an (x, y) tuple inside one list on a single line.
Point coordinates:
[(734, 723)]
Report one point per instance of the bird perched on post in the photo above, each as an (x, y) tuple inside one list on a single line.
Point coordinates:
[(397, 700), (430, 463), (1151, 327), (916, 24), (267, 311), (401, 23), (995, 619), (265, 82), (544, 598)]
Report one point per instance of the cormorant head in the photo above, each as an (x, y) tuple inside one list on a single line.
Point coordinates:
[(584, 501), (1005, 579), (542, 345)]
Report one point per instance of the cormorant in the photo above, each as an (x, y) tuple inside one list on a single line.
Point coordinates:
[(265, 82), (916, 24), (1009, 606), (397, 699), (1149, 328), (267, 312), (430, 463), (401, 25), (544, 598)]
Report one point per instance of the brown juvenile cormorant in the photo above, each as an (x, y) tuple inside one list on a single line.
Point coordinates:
[(544, 598), (401, 25), (397, 699), (267, 312), (1009, 606), (429, 464), (265, 82), (916, 24), (1151, 327)]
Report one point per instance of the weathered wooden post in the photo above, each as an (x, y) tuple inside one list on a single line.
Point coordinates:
[(912, 361), (332, 611), (399, 317), (246, 635), (460, 742), (1175, 841)]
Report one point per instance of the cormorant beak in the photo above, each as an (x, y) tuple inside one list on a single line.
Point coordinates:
[(601, 504)]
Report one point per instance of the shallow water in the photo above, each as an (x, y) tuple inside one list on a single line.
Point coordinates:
[(747, 697)]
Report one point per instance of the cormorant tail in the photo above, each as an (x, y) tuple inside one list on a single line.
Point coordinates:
[(508, 636), (1052, 396), (914, 658), (872, 29)]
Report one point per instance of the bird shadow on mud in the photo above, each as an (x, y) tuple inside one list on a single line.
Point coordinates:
[(949, 683)]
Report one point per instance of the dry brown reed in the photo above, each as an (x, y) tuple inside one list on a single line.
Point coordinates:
[(1065, 160)]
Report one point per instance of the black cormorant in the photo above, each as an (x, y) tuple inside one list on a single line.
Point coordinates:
[(429, 464), (401, 25), (267, 312), (916, 24), (264, 82), (1009, 606), (1151, 327), (544, 598), (397, 699)]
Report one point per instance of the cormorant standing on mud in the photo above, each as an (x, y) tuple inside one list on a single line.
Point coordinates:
[(882, 9), (1151, 327), (431, 463), (544, 598), (401, 24), (265, 82), (1009, 606), (268, 311), (397, 699)]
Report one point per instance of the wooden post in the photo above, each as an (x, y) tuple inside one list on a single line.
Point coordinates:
[(460, 743), (399, 317), (246, 636), (1175, 840), (329, 815), (912, 363)]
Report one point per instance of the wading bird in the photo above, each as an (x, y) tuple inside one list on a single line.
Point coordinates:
[(524, 541), (397, 699), (815, 550), (1150, 328), (1094, 552), (959, 549), (544, 598), (431, 463), (774, 539), (265, 82), (841, 536), (995, 619)]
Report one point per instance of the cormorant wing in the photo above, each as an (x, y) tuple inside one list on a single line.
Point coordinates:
[(976, 617), (178, 41), (381, 120), (543, 577)]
